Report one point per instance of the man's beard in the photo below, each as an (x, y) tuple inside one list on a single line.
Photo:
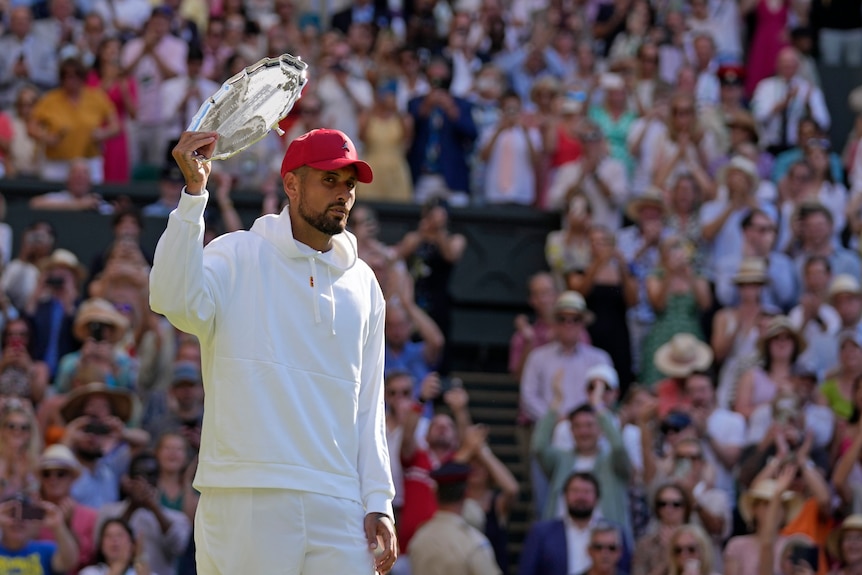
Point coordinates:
[(322, 222), (580, 512)]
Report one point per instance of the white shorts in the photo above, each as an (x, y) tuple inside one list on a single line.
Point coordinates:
[(279, 532)]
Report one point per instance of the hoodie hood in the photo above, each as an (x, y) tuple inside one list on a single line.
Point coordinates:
[(277, 230)]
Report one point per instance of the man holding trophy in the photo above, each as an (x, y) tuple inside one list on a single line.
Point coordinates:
[(294, 470)]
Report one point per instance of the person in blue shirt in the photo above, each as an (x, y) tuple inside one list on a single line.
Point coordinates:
[(20, 520)]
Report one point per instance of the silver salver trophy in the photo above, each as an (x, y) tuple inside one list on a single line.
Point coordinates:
[(251, 103)]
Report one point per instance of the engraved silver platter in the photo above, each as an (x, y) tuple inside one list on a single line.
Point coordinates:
[(251, 103)]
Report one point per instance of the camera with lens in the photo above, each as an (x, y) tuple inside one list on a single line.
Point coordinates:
[(97, 427), (96, 330)]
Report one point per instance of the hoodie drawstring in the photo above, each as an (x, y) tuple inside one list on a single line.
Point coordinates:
[(331, 299), (314, 287), (316, 295)]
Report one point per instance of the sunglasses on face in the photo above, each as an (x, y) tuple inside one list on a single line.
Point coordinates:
[(573, 319), (58, 473), (17, 426), (680, 549), (676, 504), (599, 547), (400, 392)]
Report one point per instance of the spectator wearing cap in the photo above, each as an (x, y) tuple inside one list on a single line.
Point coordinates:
[(152, 58), (97, 435), (600, 375), (164, 532), (780, 101), (58, 470), (758, 241), (779, 347), (52, 307), (447, 544), (566, 357), (178, 409), (596, 175), (99, 327), (817, 238)]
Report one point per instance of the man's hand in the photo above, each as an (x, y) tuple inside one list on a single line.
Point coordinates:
[(190, 153), (54, 516), (380, 533), (456, 398), (430, 387)]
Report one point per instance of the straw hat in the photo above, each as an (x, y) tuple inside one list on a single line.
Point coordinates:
[(604, 372), (751, 271), (651, 197), (833, 542), (683, 355), (573, 302), (745, 121), (745, 166), (121, 401), (765, 490), (844, 283), (778, 325), (58, 456), (61, 258), (98, 310), (612, 81)]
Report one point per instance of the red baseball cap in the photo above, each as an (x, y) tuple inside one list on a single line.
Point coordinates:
[(324, 150)]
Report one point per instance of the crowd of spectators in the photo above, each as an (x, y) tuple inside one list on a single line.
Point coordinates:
[(691, 374)]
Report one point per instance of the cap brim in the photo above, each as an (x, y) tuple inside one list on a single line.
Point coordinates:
[(363, 170)]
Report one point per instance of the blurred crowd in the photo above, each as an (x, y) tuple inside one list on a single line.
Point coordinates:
[(691, 369)]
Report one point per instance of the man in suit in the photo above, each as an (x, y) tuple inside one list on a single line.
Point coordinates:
[(560, 546), (443, 141)]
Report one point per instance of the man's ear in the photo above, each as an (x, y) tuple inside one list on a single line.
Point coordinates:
[(291, 186)]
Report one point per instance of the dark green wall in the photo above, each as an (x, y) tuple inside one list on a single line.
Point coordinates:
[(505, 246)]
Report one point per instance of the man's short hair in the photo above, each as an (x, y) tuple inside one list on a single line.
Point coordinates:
[(606, 527), (583, 408), (585, 476)]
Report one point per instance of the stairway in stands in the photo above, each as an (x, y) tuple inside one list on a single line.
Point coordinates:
[(494, 402)]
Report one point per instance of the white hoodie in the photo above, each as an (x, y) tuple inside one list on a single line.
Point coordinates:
[(292, 356)]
